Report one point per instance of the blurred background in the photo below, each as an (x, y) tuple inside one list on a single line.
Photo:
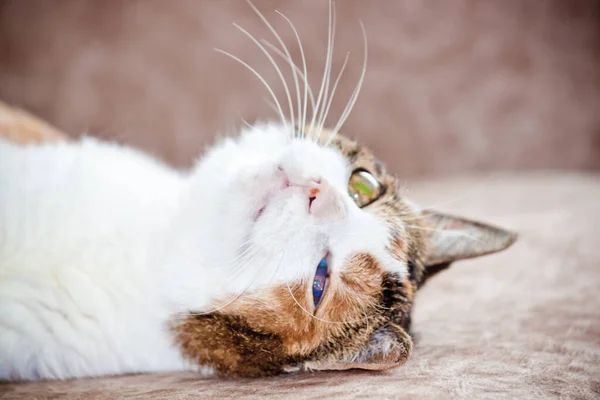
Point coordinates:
[(452, 86)]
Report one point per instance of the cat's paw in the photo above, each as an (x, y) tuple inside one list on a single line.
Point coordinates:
[(390, 346)]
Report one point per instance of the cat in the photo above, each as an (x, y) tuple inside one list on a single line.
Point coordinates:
[(274, 252), (286, 248)]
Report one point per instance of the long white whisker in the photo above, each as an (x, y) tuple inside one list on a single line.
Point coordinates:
[(327, 61), (302, 76), (289, 58), (243, 265), (356, 91), (277, 69), (240, 261), (322, 122), (250, 284), (307, 89), (314, 316), (270, 104), (327, 83), (262, 80), (311, 314), (237, 296)]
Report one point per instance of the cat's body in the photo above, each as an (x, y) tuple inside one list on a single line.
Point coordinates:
[(97, 253), (286, 248), (111, 262)]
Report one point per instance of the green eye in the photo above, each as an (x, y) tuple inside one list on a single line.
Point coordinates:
[(363, 188)]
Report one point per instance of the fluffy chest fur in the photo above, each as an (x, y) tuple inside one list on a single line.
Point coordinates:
[(78, 293)]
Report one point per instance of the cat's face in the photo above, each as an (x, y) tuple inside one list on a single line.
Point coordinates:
[(315, 253)]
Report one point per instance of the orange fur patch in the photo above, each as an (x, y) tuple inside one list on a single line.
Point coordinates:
[(288, 312)]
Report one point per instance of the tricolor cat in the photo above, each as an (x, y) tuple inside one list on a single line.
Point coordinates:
[(288, 247)]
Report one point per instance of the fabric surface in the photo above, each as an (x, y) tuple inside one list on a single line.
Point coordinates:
[(451, 85), (524, 323)]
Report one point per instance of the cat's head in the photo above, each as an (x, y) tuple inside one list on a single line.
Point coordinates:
[(302, 253)]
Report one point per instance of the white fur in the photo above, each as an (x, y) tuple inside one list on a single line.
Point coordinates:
[(101, 246)]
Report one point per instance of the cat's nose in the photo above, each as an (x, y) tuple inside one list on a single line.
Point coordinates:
[(324, 201)]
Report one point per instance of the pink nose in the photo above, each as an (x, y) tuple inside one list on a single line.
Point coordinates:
[(313, 192), (324, 201)]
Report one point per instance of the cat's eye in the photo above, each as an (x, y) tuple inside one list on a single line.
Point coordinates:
[(363, 188), (320, 281)]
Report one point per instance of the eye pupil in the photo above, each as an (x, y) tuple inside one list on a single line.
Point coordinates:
[(320, 281)]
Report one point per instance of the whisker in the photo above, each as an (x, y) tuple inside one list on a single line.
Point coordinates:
[(314, 316), (330, 55), (271, 105), (356, 91), (307, 89), (237, 296), (302, 77), (277, 69), (277, 268), (327, 61), (244, 120), (241, 261), (243, 264), (311, 314), (262, 80), (288, 59), (248, 247), (322, 122)]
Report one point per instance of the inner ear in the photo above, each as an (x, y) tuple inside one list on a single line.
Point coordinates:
[(390, 346), (453, 238)]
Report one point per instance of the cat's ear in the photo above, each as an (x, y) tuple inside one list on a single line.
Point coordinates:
[(389, 347), (453, 238)]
